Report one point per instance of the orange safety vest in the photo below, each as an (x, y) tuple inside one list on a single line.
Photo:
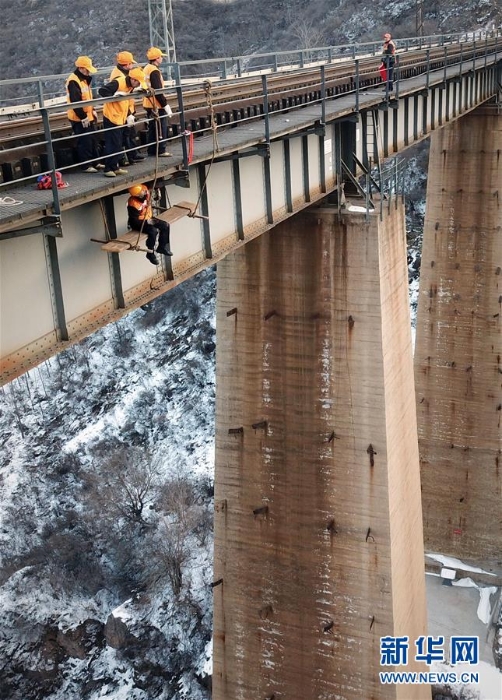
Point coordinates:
[(86, 91), (115, 75), (142, 206), (150, 102), (389, 48), (117, 112)]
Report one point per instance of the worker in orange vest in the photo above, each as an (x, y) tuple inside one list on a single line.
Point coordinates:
[(156, 106), (83, 120), (116, 115), (125, 63), (388, 58), (141, 219)]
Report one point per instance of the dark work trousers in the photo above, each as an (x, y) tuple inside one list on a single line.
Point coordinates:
[(129, 142), (87, 148), (151, 230), (157, 128), (113, 144), (389, 64)]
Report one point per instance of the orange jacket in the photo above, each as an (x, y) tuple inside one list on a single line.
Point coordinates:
[(86, 92), (118, 73), (139, 209), (117, 112)]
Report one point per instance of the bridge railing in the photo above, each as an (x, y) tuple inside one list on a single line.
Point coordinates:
[(21, 95), (276, 61), (360, 72)]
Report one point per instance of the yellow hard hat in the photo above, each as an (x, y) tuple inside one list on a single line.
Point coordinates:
[(125, 57), (137, 74), (138, 190), (85, 62), (153, 53)]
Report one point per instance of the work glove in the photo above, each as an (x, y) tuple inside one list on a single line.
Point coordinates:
[(95, 115), (85, 122), (169, 111), (130, 120), (121, 93), (140, 90)]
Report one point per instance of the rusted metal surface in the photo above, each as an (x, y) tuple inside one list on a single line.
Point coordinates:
[(458, 357), (319, 552)]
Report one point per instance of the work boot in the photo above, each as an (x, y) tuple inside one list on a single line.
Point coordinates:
[(152, 258), (164, 251)]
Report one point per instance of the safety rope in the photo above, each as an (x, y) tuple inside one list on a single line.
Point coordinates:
[(158, 131), (189, 136), (208, 91), (105, 221), (9, 201)]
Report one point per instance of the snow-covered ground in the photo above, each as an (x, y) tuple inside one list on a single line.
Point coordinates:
[(106, 475), (465, 608)]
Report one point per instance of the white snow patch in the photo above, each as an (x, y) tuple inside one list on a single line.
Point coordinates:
[(453, 563)]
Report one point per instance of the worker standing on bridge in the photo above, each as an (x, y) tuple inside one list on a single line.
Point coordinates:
[(125, 62), (388, 59), (156, 105), (141, 219), (116, 115), (83, 119)]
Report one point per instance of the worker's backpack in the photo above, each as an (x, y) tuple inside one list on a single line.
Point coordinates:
[(44, 182)]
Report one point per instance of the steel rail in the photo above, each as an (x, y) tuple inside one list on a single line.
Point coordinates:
[(242, 97)]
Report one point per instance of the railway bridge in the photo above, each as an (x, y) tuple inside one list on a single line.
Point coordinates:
[(279, 175)]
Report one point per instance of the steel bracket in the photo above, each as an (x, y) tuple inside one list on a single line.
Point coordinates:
[(262, 150), (49, 225)]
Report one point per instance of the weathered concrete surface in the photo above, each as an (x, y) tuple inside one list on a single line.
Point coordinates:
[(458, 356), (318, 529)]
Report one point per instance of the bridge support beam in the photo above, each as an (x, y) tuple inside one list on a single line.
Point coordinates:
[(458, 357), (318, 526)]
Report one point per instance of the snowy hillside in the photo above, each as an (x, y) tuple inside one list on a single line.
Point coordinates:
[(106, 525)]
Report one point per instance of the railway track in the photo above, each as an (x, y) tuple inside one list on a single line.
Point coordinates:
[(22, 139)]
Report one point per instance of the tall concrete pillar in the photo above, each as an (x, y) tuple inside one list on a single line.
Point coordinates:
[(318, 526), (458, 356)]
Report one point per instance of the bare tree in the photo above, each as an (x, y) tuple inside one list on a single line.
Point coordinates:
[(172, 551), (125, 485), (307, 34), (172, 545)]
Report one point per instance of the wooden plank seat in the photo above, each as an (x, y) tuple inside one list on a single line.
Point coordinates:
[(177, 211), (132, 240), (128, 241)]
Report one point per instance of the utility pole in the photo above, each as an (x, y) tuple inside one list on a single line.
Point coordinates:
[(160, 14), (419, 18)]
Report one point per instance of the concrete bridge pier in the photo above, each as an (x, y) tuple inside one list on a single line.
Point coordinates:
[(458, 357), (318, 524)]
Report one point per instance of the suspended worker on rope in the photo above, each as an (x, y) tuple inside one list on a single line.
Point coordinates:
[(141, 219), (156, 105)]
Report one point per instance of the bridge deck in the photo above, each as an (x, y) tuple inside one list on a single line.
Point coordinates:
[(35, 204)]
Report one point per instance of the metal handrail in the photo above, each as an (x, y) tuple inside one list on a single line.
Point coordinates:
[(272, 60), (45, 108)]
